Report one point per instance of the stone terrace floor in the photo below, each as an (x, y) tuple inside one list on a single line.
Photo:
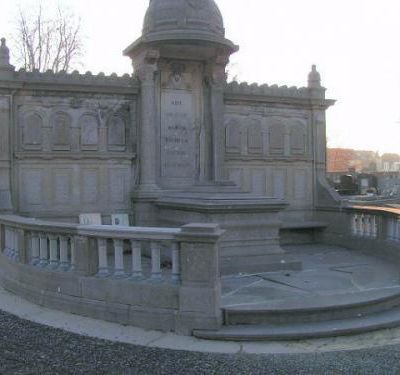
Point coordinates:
[(328, 272)]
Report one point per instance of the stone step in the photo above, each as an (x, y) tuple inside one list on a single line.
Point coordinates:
[(306, 330), (313, 309)]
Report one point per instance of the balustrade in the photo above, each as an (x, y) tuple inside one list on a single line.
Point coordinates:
[(134, 254), (376, 223), (393, 229), (141, 259), (364, 225), (140, 267)]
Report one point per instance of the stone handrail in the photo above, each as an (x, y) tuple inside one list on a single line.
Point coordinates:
[(53, 245), (184, 262)]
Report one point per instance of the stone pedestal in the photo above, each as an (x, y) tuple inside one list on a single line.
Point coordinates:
[(251, 239)]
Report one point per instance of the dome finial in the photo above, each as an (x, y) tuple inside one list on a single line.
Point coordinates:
[(4, 54), (314, 78), (6, 69)]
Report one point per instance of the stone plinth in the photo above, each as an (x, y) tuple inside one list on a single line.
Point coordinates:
[(251, 239)]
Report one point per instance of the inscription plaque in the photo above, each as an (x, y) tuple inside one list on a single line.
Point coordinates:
[(178, 134)]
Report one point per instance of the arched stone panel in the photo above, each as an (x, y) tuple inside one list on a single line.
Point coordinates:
[(89, 132), (116, 129), (254, 137), (297, 138), (233, 135), (32, 131), (61, 131), (277, 137)]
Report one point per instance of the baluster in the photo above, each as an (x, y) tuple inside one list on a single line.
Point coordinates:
[(35, 255), (8, 249), (11, 241), (354, 224), (359, 225), (368, 231), (176, 272), (363, 225), (64, 264), (104, 270), (374, 227), (6, 241), (390, 229), (137, 272), (53, 264), (44, 250), (155, 261), (15, 254), (73, 254), (119, 272)]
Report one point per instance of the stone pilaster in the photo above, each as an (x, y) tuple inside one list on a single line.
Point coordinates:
[(5, 154), (217, 80), (145, 69)]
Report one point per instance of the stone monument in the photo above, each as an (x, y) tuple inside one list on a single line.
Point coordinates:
[(172, 144), (181, 60)]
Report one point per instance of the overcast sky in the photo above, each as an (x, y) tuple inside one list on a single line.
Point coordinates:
[(354, 43)]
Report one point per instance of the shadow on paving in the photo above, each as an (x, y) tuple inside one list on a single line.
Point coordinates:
[(30, 348)]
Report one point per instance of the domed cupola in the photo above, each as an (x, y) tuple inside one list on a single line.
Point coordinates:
[(183, 21), (200, 17)]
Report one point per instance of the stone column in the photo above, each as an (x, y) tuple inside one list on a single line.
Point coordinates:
[(318, 123), (6, 126), (200, 290), (217, 85), (5, 153), (145, 69)]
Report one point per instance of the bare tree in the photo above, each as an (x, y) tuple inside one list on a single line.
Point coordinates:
[(48, 42)]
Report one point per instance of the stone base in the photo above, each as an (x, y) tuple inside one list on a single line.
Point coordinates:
[(250, 222)]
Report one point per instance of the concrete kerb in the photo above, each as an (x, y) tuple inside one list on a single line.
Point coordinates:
[(17, 306)]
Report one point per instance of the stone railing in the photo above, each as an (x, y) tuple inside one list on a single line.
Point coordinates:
[(376, 222), (172, 272), (365, 225)]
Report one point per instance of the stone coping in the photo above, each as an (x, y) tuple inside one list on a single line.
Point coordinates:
[(102, 231), (376, 209)]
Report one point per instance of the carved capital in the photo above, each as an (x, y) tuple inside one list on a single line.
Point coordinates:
[(146, 66), (217, 71)]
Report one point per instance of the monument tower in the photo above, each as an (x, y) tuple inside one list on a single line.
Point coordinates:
[(180, 61)]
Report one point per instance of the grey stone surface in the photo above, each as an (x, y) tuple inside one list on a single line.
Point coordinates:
[(327, 271)]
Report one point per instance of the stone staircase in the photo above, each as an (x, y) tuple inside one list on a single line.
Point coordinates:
[(305, 318)]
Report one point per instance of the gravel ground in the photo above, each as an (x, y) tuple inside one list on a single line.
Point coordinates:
[(30, 348)]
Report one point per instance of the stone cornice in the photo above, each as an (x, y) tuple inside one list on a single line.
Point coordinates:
[(75, 81), (299, 97), (74, 156)]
